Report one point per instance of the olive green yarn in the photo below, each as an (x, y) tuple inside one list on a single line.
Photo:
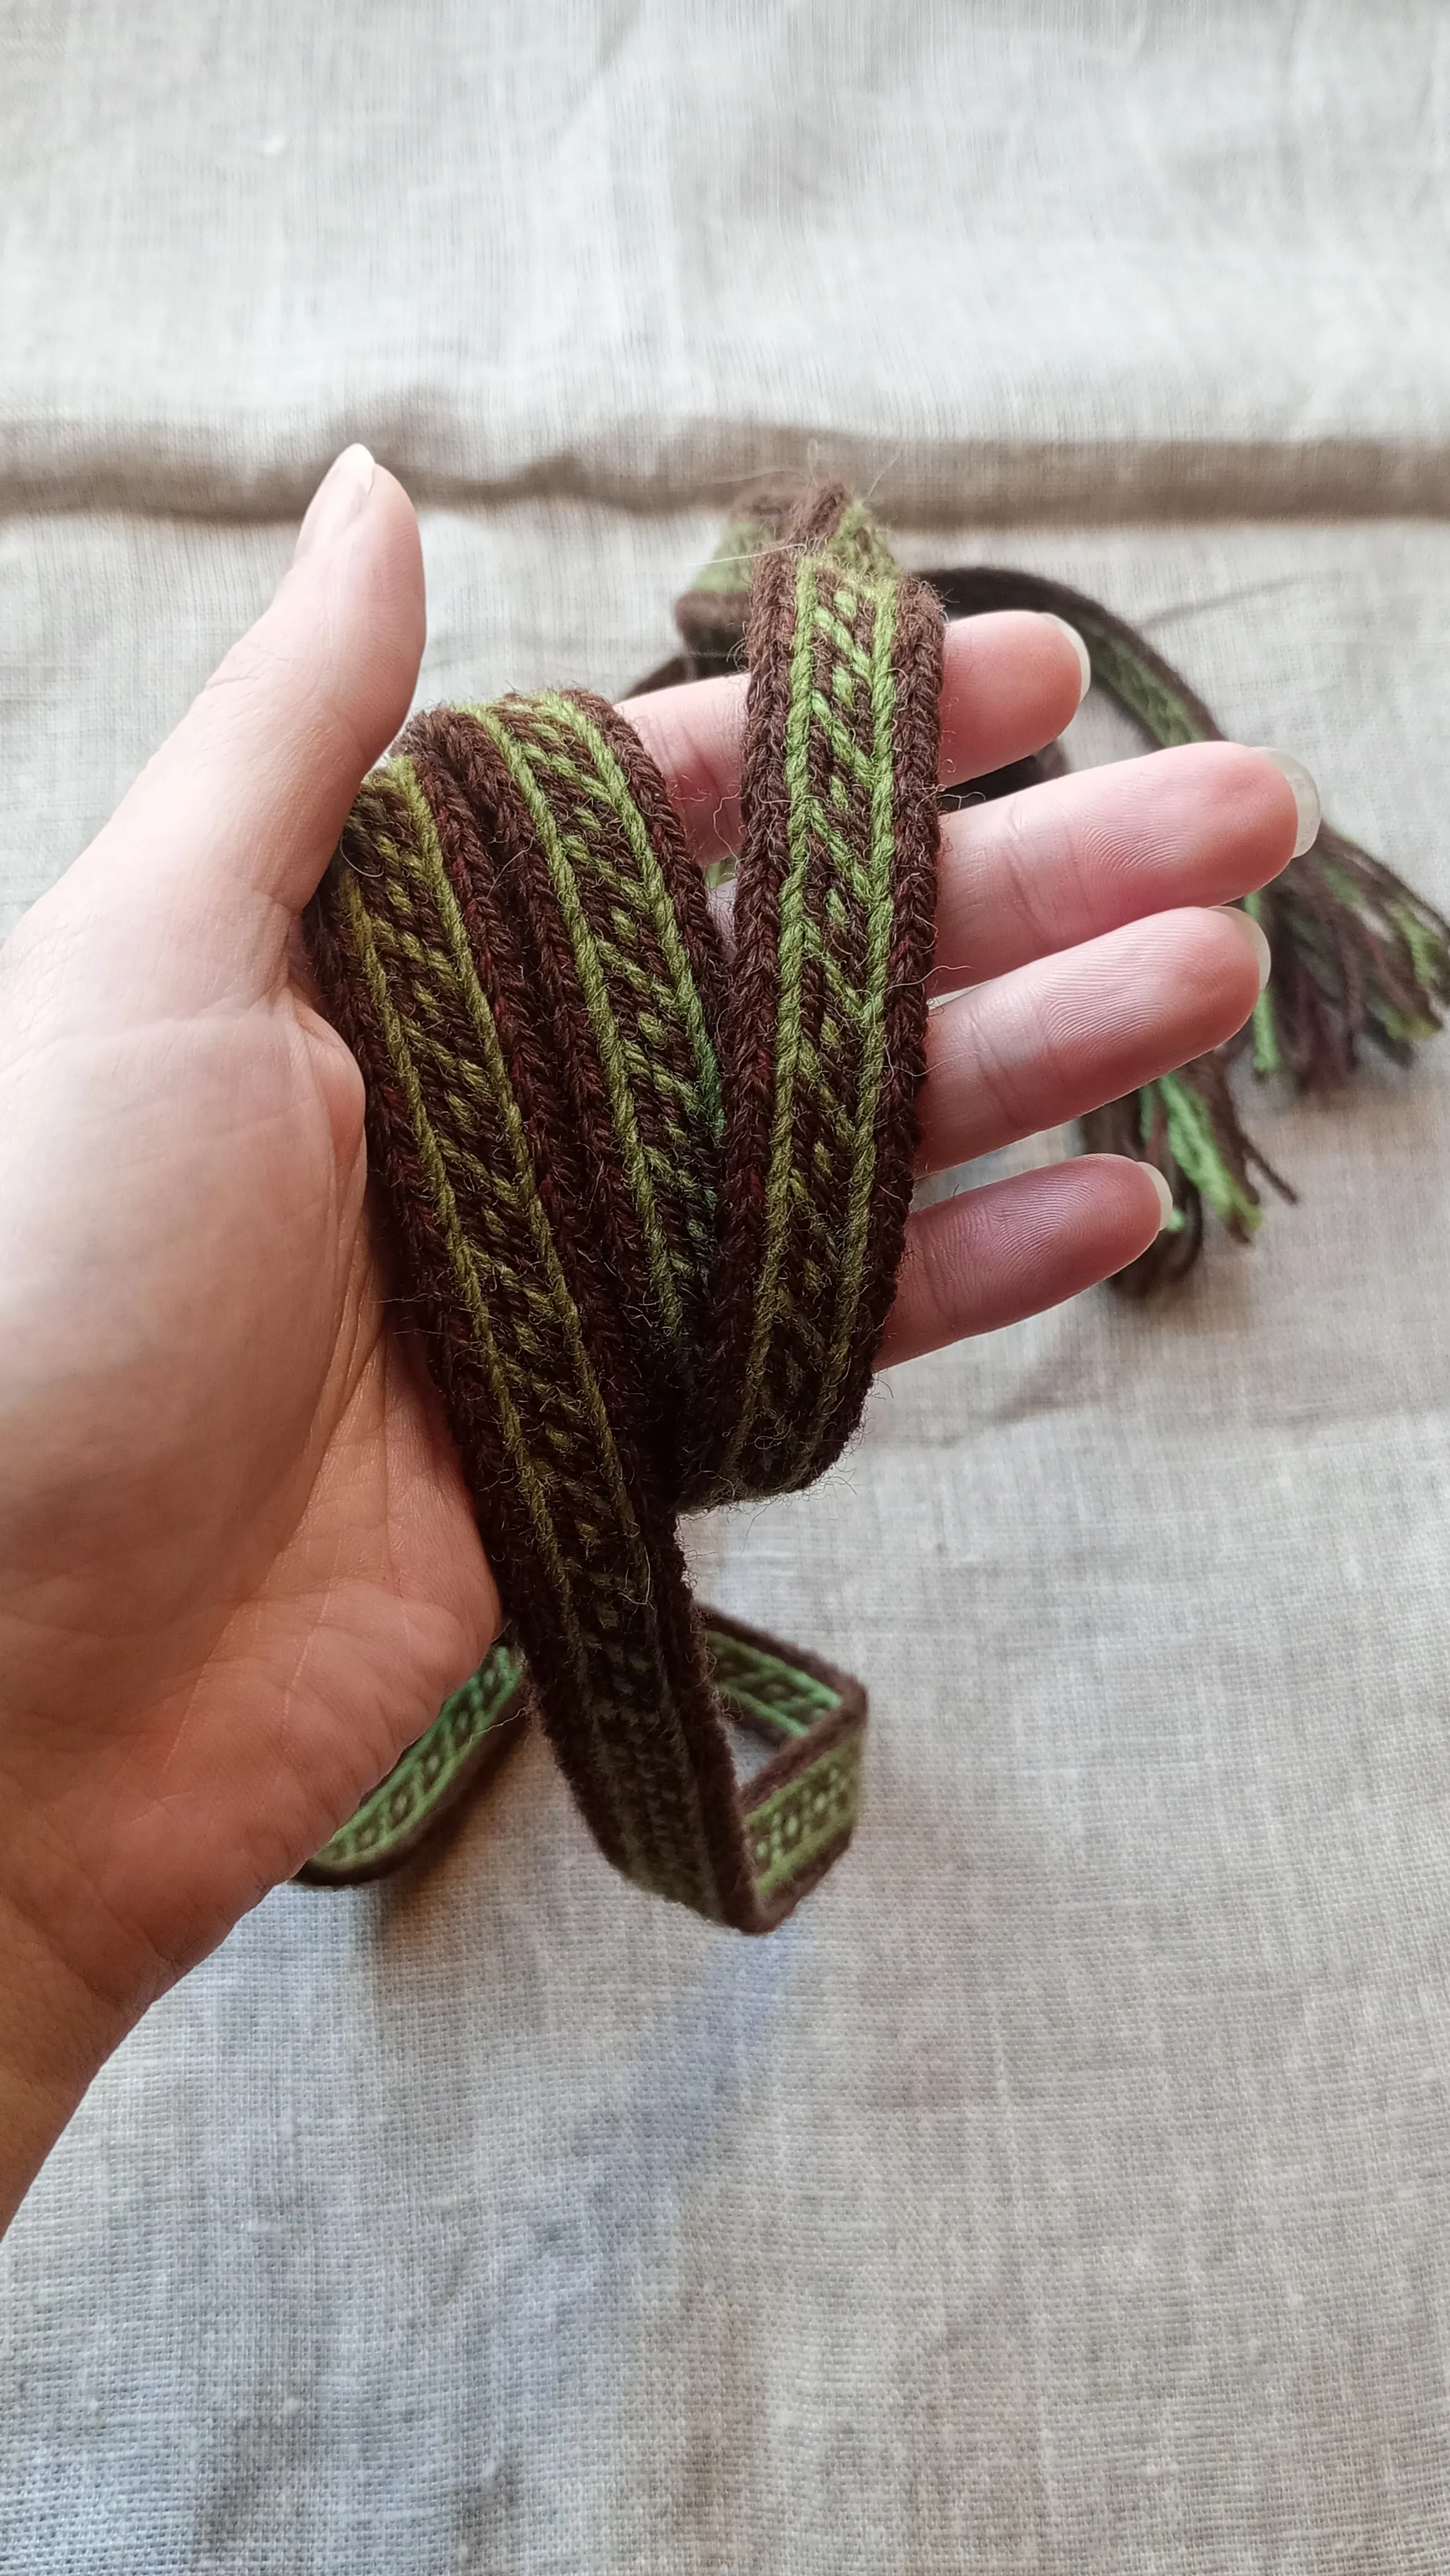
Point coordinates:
[(647, 1194)]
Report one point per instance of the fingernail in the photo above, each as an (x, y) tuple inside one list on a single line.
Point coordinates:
[(1306, 796), (1263, 955), (337, 501), (1084, 662), (1165, 1195)]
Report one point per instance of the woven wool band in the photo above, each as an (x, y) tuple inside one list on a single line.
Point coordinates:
[(648, 1208)]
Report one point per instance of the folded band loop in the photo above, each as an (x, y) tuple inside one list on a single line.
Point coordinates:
[(648, 1208)]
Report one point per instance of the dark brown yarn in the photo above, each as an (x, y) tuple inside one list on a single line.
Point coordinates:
[(648, 1212)]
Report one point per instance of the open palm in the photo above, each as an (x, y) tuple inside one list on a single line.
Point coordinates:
[(238, 1569)]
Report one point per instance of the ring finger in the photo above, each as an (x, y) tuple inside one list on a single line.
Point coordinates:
[(1038, 871), (1011, 680), (1051, 1040)]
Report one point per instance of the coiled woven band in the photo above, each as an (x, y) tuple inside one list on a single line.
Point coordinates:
[(648, 1205)]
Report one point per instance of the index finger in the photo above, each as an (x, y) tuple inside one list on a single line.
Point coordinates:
[(1011, 680)]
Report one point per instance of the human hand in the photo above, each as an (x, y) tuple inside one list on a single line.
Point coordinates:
[(238, 1567)]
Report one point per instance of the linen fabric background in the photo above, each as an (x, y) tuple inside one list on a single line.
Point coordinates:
[(1065, 2189)]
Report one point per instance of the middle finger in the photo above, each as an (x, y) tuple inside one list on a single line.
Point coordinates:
[(1052, 865), (1011, 680)]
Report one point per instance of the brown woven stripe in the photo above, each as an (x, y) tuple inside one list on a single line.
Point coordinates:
[(647, 1212)]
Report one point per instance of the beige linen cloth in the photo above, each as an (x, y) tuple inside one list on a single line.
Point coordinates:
[(1067, 2188)]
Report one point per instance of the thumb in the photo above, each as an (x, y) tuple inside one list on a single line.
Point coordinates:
[(239, 811)]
